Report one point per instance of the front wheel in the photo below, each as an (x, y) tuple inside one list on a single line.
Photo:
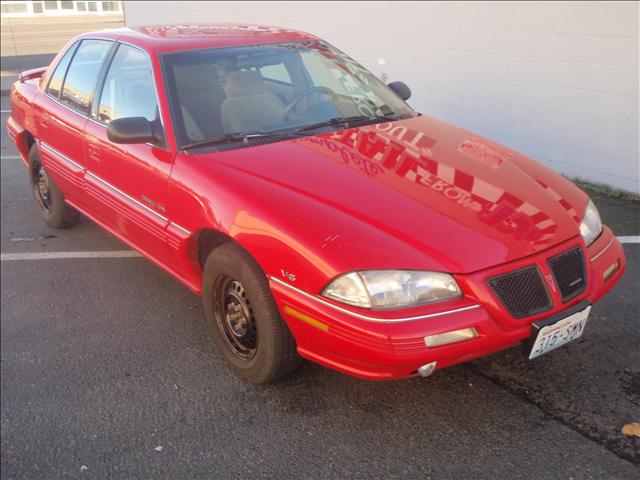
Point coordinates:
[(243, 317), (49, 198)]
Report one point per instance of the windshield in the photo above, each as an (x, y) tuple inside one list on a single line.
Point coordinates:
[(222, 94)]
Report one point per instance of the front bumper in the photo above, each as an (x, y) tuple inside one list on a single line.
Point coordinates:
[(346, 340)]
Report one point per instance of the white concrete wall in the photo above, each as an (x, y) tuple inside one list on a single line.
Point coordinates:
[(555, 80)]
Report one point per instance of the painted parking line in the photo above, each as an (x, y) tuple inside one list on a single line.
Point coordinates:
[(11, 157), (8, 257), (630, 239)]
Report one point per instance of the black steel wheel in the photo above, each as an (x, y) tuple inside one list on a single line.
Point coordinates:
[(49, 199), (234, 317), (42, 191), (243, 318)]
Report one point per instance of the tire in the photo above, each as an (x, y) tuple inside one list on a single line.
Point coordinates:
[(243, 318), (49, 199)]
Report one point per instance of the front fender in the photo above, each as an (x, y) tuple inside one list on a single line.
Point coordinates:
[(211, 196)]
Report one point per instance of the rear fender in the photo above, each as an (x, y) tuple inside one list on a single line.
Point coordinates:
[(21, 126), (21, 138)]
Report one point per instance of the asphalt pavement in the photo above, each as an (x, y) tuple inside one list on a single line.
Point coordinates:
[(104, 360)]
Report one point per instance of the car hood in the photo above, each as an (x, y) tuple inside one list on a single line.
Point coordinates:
[(416, 193)]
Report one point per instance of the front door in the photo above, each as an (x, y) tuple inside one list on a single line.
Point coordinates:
[(130, 183)]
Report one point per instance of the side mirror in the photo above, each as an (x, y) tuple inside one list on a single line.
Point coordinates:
[(131, 130), (401, 89)]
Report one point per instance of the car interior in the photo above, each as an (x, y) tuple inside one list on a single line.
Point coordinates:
[(250, 93)]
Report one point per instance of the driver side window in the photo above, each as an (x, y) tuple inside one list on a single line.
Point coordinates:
[(129, 89)]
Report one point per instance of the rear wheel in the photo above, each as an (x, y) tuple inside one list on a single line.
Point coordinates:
[(49, 198), (243, 318)]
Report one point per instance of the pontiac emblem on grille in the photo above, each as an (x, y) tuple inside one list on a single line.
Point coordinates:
[(551, 282)]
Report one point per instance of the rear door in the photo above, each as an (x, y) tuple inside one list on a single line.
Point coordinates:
[(129, 183), (61, 113)]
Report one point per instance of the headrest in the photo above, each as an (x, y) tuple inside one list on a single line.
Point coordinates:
[(198, 78), (244, 82)]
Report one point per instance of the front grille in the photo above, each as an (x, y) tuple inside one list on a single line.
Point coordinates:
[(569, 272), (522, 292)]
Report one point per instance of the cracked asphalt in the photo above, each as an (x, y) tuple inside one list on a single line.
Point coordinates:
[(105, 359)]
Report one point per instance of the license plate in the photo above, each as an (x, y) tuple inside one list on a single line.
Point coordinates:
[(558, 333)]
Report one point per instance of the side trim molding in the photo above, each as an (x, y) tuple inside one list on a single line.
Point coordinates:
[(61, 155), (127, 196), (110, 186)]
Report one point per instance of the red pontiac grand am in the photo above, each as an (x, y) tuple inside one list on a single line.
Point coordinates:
[(317, 214)]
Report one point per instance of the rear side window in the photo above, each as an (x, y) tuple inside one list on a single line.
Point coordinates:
[(55, 84), (128, 89), (83, 72)]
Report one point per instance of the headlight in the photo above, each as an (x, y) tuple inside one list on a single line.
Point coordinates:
[(392, 288), (591, 225)]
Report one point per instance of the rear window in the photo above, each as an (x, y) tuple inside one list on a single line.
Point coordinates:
[(55, 83), (82, 75)]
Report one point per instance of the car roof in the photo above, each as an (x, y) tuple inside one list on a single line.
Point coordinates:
[(170, 38)]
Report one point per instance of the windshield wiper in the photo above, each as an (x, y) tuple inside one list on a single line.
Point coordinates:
[(245, 137), (234, 137), (347, 121)]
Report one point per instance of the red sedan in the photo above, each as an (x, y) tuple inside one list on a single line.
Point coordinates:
[(317, 214)]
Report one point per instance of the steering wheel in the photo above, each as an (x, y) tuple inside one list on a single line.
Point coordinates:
[(305, 93)]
